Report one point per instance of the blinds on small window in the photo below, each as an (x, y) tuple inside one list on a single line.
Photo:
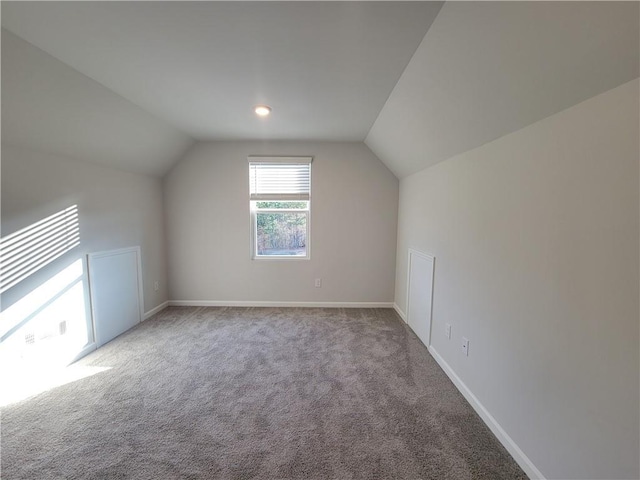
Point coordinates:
[(280, 178)]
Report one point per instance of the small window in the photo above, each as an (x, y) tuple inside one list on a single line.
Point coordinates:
[(280, 200)]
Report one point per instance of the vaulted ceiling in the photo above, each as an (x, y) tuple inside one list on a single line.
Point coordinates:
[(134, 84), (486, 69)]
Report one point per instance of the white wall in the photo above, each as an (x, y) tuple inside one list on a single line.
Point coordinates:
[(536, 242), (353, 227), (117, 209)]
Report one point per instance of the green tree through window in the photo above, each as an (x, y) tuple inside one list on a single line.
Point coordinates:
[(280, 197)]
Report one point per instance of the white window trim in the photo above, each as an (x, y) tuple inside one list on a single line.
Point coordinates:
[(254, 218), (254, 234), (276, 159)]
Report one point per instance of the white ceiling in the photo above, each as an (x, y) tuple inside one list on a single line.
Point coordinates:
[(326, 68), (131, 84), (486, 69), (50, 107)]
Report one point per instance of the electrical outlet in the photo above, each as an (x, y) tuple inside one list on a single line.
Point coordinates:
[(465, 346), (447, 330), (156, 285), (318, 282)]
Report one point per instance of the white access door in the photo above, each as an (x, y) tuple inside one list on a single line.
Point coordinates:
[(115, 281), (420, 294)]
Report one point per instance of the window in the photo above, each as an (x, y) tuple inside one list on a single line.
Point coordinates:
[(280, 200)]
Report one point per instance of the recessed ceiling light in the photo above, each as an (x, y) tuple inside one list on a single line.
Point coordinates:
[(262, 110)]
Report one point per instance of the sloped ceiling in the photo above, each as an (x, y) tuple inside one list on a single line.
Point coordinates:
[(486, 69), (50, 107), (326, 68), (131, 84)]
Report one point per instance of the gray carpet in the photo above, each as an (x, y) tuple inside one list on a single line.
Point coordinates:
[(244, 393)]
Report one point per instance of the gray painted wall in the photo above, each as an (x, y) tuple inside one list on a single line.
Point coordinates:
[(117, 209), (353, 227), (536, 243)]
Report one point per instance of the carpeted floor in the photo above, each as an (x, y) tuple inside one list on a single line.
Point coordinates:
[(269, 393)]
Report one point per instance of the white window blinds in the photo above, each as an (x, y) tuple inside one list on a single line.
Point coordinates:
[(280, 178)]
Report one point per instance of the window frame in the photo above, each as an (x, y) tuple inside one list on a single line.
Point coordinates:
[(254, 235), (275, 198)]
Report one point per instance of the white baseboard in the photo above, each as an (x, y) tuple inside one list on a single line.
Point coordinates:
[(243, 303), (155, 310), (84, 352), (399, 311), (525, 463)]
